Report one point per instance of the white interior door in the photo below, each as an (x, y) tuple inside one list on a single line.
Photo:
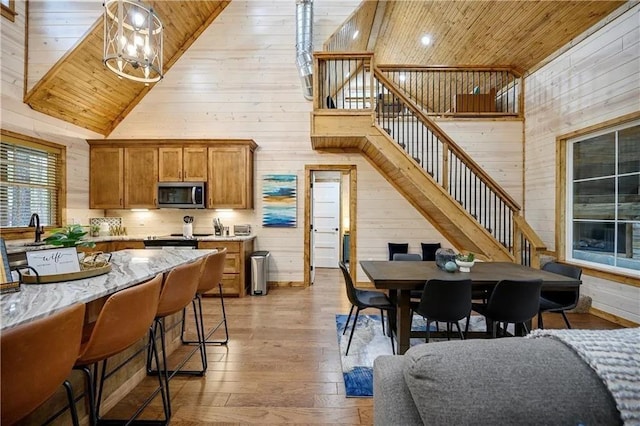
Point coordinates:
[(326, 224)]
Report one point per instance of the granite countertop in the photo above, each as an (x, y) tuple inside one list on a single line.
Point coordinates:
[(128, 267), (18, 246)]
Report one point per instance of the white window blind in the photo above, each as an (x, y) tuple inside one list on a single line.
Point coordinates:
[(28, 184)]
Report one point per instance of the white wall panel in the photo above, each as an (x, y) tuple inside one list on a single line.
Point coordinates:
[(595, 81)]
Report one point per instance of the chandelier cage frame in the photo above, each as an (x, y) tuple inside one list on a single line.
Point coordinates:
[(133, 42)]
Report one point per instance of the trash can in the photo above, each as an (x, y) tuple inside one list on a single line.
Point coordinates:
[(259, 273)]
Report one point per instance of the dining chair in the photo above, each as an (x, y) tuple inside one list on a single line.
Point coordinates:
[(124, 320), (397, 248), (363, 299), (510, 302), (37, 357), (445, 301), (559, 301), (429, 251)]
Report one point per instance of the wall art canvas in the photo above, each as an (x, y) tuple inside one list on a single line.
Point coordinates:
[(279, 205)]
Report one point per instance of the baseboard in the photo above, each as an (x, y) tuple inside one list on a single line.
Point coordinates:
[(613, 318), (273, 284)]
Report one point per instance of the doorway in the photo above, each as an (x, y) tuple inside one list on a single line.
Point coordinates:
[(330, 213)]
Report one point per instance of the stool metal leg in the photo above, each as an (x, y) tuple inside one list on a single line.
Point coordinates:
[(72, 404), (214, 329)]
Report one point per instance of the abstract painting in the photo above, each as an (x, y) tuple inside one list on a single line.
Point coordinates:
[(279, 201)]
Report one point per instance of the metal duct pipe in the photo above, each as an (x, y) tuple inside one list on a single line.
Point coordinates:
[(304, 45)]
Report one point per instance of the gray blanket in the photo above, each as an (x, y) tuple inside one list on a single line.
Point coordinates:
[(615, 356)]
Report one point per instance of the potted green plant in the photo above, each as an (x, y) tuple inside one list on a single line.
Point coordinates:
[(465, 261), (69, 236)]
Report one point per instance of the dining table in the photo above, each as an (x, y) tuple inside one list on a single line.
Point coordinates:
[(400, 277)]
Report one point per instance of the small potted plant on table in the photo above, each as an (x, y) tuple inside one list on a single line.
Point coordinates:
[(465, 261)]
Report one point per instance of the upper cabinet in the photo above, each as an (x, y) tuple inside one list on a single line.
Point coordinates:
[(140, 177), (106, 178), (187, 164), (124, 173), (230, 183)]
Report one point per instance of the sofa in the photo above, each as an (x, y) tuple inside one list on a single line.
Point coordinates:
[(524, 381)]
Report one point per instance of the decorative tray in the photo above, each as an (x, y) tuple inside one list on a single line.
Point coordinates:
[(92, 265)]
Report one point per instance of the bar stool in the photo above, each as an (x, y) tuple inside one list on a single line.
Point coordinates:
[(179, 288), (124, 320), (212, 272), (37, 358)]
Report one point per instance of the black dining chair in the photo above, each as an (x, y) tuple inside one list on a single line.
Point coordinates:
[(397, 248), (559, 301), (445, 301), (362, 299), (511, 302), (429, 251)]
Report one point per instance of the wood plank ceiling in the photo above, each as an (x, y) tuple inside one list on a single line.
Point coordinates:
[(520, 33), (79, 88)]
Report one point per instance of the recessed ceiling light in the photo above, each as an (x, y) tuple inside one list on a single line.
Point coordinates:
[(355, 35), (425, 40)]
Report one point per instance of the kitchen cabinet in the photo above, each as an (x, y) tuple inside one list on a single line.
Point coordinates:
[(106, 178), (140, 177), (237, 275), (187, 164), (103, 246), (117, 245), (230, 183)]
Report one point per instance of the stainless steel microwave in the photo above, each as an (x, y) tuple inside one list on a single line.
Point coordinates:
[(181, 195)]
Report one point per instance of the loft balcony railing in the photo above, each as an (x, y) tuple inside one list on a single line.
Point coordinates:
[(459, 91), (403, 108)]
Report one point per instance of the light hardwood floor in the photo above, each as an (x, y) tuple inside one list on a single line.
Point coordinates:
[(281, 365)]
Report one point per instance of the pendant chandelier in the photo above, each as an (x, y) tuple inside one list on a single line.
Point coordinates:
[(132, 40)]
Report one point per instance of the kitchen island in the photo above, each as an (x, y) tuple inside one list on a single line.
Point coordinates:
[(128, 268)]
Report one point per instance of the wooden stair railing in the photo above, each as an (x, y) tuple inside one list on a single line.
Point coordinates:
[(427, 144)]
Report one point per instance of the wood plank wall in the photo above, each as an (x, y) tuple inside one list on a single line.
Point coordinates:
[(18, 117), (595, 81)]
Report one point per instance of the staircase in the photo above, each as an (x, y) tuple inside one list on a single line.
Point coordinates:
[(424, 165)]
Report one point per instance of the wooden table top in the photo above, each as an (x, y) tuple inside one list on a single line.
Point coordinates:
[(407, 275)]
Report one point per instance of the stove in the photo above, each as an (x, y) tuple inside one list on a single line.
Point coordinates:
[(171, 241)]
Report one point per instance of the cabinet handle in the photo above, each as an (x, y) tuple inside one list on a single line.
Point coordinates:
[(180, 175), (185, 174)]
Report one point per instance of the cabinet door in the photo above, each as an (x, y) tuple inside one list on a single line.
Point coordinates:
[(140, 177), (170, 164), (194, 164), (106, 178), (230, 178)]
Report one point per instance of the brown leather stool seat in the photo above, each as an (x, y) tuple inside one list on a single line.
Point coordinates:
[(178, 290), (37, 358), (211, 276), (125, 319)]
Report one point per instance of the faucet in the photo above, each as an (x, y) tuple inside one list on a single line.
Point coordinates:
[(35, 221)]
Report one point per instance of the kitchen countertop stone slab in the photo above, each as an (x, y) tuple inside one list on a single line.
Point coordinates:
[(128, 268)]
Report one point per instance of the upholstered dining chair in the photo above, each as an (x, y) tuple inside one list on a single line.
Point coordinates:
[(429, 251), (397, 248), (445, 301), (124, 320), (511, 302), (37, 357), (362, 299), (559, 301)]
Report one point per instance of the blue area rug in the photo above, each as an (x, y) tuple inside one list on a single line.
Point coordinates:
[(368, 343)]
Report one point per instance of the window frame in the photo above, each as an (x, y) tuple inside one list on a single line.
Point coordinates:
[(24, 140), (9, 9), (563, 198)]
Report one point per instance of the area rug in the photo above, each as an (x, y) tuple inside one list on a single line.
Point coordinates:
[(369, 343)]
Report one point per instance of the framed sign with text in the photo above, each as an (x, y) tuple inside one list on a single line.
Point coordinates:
[(54, 261)]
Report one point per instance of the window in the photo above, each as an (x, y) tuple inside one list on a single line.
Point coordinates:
[(603, 199), (31, 173), (8, 9)]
